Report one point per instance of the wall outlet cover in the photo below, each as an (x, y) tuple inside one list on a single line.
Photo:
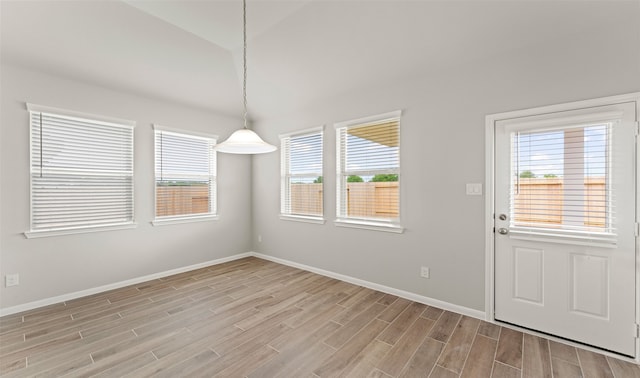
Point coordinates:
[(474, 189), (11, 280)]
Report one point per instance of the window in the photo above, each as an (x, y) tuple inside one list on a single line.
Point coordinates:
[(561, 179), (368, 172), (185, 176), (81, 172), (301, 180)]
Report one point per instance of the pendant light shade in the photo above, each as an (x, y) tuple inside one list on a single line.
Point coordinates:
[(245, 141)]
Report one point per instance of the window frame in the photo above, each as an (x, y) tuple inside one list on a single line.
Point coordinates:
[(213, 174), (285, 175), (586, 236), (88, 118), (343, 220)]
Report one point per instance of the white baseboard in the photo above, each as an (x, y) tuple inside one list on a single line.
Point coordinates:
[(356, 281), (117, 285), (385, 289)]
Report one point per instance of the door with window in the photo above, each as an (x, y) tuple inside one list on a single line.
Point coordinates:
[(565, 224)]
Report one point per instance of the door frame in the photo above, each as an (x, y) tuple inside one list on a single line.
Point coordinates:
[(490, 124)]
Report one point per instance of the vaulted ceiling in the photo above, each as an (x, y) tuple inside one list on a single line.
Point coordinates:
[(299, 51)]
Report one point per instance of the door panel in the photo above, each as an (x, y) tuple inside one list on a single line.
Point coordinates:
[(565, 211), (589, 282), (528, 275)]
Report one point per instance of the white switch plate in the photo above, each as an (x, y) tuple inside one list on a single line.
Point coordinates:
[(11, 280), (474, 189)]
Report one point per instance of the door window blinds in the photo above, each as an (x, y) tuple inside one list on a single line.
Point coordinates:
[(368, 167), (81, 171), (561, 179), (301, 188), (185, 172)]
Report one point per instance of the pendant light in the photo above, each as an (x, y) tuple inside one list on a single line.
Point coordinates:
[(245, 141)]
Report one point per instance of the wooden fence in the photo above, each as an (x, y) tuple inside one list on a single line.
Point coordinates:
[(373, 199), (181, 200), (365, 199), (541, 200)]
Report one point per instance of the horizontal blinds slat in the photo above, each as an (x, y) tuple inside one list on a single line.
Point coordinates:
[(81, 172)]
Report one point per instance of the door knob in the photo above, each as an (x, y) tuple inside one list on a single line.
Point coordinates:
[(503, 217), (503, 231)]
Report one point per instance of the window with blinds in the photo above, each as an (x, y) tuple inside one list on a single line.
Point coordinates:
[(301, 188), (561, 179), (185, 174), (81, 171), (368, 169)]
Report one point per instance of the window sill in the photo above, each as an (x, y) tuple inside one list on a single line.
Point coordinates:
[(301, 218), (79, 230), (574, 238), (369, 225), (178, 220)]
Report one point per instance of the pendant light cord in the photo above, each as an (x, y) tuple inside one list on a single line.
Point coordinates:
[(244, 59)]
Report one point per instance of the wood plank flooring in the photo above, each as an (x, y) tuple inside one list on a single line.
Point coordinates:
[(255, 318)]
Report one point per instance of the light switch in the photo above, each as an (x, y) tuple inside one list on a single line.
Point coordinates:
[(474, 189)]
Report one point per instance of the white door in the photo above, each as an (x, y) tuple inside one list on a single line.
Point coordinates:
[(565, 224)]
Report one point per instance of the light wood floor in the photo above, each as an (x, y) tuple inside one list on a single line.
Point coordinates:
[(255, 318)]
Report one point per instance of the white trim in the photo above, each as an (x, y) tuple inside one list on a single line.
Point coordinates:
[(584, 104), (356, 281), (117, 285), (155, 127), (369, 119), (301, 218), (489, 215), (79, 230), (490, 121), (311, 130), (373, 226), (637, 359), (562, 123), (374, 286), (72, 113), (589, 240), (189, 219)]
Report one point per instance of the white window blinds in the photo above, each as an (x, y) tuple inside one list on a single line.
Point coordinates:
[(185, 171), (81, 171), (301, 188), (368, 169), (561, 179)]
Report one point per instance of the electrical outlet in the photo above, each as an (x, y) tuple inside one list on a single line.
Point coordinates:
[(424, 272), (11, 280), (259, 238)]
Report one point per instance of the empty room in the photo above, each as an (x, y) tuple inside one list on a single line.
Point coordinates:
[(319, 188)]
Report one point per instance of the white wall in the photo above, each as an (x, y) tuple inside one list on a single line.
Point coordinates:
[(442, 140), (442, 149), (55, 266)]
